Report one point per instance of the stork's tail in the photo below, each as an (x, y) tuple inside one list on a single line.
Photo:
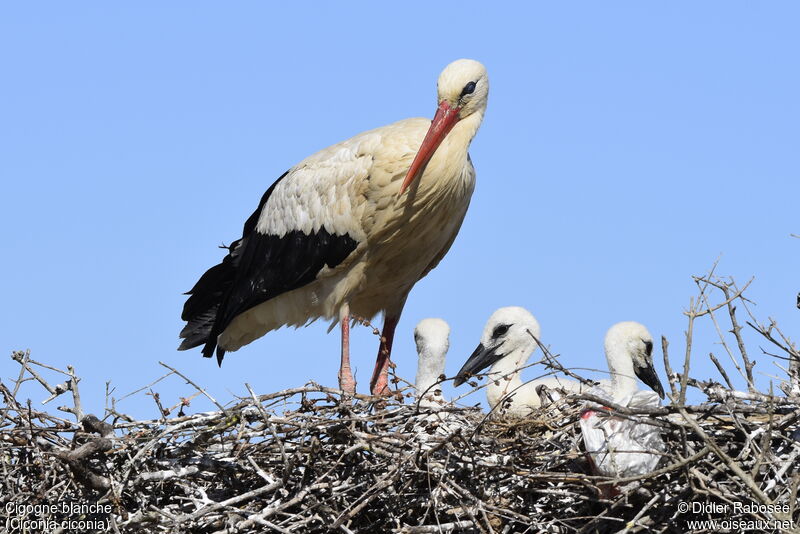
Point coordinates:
[(197, 330), (200, 310)]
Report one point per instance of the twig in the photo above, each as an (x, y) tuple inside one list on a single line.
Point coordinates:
[(198, 388)]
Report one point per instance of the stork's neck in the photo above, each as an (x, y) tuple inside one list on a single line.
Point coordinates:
[(429, 368), (623, 378), (504, 376), (462, 133), (450, 160)]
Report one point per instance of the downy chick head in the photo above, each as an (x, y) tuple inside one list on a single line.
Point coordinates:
[(510, 332), (631, 340)]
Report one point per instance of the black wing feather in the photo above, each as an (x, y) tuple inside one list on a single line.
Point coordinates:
[(258, 267)]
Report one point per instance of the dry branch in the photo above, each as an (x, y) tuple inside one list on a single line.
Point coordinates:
[(308, 459)]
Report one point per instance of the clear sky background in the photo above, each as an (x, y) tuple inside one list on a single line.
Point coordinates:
[(626, 147)]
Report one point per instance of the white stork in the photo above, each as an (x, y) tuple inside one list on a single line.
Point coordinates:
[(432, 337), (617, 446), (348, 231), (509, 338)]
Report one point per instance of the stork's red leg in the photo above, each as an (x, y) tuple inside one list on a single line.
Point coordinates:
[(346, 381), (379, 385)]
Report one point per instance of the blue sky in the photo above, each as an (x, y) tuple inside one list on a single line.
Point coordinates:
[(626, 147)]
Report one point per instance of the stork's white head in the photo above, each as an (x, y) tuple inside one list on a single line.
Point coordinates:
[(464, 86), (432, 337), (463, 90), (629, 347), (510, 331)]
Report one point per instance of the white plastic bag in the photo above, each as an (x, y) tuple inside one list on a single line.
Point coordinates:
[(621, 446)]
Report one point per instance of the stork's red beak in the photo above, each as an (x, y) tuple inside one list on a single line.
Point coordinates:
[(444, 120)]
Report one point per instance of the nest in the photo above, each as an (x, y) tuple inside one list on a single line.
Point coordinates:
[(312, 460)]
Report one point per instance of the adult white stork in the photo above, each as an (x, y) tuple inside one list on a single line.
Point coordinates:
[(348, 231)]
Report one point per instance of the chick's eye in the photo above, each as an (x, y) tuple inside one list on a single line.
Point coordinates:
[(648, 347), (468, 89), (500, 330)]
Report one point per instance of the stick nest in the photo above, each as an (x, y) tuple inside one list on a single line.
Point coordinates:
[(310, 460)]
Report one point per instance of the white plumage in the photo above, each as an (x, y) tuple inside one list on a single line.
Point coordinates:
[(348, 231), (398, 239), (432, 337), (509, 338)]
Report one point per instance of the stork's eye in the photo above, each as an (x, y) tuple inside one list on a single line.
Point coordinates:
[(467, 90), (648, 347), (500, 330)]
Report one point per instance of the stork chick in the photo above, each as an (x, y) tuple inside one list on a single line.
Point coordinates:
[(509, 338), (629, 353), (432, 337), (617, 446)]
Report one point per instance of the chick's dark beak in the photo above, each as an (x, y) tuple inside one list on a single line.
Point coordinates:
[(647, 374), (480, 359)]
